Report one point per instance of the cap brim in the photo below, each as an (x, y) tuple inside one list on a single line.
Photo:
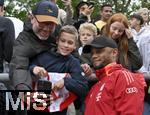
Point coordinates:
[(43, 18), (88, 48)]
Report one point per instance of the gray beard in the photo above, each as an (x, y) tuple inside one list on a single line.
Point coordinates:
[(41, 38)]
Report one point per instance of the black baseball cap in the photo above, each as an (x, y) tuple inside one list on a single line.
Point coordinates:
[(46, 11), (1, 2), (100, 42)]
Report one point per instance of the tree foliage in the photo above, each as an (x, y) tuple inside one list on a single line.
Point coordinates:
[(19, 8)]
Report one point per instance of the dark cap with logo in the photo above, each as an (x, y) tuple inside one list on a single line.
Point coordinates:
[(100, 42), (1, 2), (46, 11)]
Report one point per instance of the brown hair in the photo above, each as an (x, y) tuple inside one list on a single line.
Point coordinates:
[(71, 30), (123, 40)]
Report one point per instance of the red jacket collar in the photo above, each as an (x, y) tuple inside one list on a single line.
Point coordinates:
[(108, 69)]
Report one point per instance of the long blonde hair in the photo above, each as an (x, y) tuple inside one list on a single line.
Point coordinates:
[(123, 40)]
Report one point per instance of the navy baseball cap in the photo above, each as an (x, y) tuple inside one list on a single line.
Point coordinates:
[(1, 2), (100, 42), (46, 11)]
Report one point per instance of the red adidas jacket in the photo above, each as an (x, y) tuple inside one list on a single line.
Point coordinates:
[(118, 92)]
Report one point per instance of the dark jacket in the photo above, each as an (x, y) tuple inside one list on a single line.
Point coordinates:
[(55, 62), (26, 46), (7, 37), (134, 57)]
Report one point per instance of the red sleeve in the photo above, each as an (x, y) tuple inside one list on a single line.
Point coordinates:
[(128, 94)]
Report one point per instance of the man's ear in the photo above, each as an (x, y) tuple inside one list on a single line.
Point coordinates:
[(32, 18), (115, 52)]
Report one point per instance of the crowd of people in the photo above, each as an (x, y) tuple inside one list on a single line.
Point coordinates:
[(103, 64)]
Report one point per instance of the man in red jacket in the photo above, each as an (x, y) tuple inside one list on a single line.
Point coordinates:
[(118, 91)]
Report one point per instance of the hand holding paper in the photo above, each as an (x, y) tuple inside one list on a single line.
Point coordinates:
[(58, 85)]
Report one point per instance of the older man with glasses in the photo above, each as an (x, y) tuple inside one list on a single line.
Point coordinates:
[(35, 38)]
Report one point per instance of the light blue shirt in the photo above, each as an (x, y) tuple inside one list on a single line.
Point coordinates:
[(142, 39)]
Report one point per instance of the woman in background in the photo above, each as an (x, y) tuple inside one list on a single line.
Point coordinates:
[(117, 28)]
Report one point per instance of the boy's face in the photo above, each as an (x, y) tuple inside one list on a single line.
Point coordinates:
[(66, 43), (86, 36)]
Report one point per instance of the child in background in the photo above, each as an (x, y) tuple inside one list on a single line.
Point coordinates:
[(87, 33)]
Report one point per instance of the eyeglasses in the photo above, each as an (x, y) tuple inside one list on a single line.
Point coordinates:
[(44, 24)]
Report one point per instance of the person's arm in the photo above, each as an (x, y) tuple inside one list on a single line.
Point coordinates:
[(128, 94), (68, 20), (144, 48), (76, 83), (134, 55), (25, 47), (37, 66), (8, 38)]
